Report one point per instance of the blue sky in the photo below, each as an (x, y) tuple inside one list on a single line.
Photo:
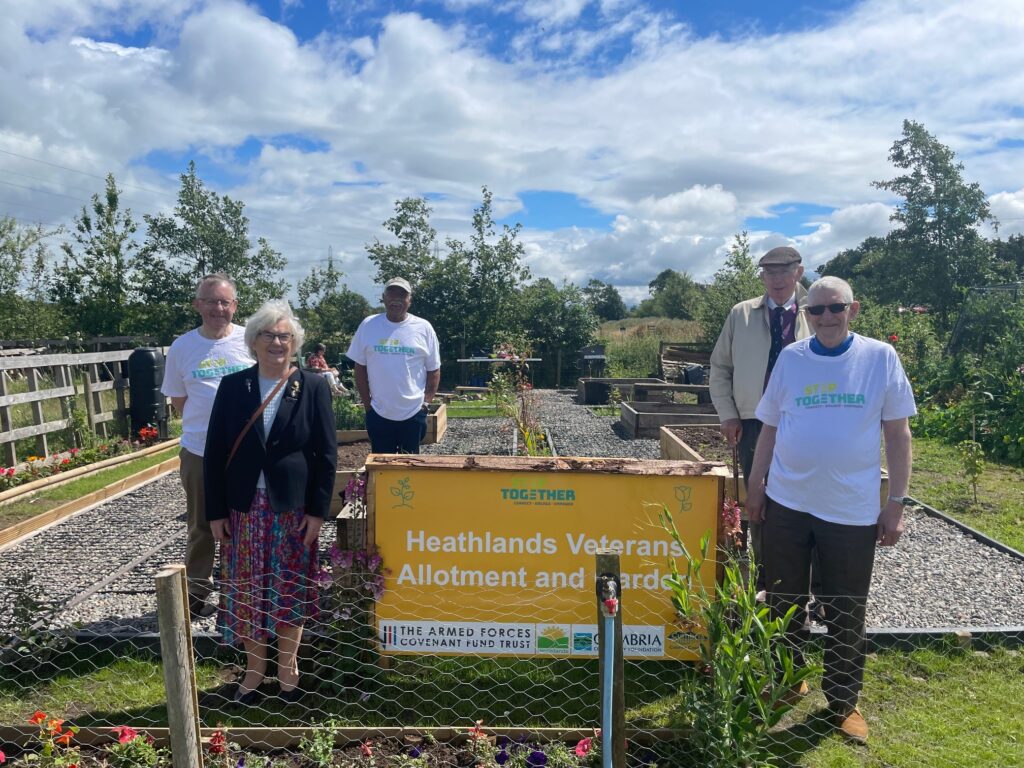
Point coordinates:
[(625, 136)]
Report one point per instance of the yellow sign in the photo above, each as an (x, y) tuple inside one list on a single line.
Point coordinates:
[(502, 562)]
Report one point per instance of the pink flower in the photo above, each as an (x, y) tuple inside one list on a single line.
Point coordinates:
[(583, 747), (3, 757), (125, 733), (366, 748)]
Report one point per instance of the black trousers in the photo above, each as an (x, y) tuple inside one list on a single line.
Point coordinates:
[(846, 556), (387, 436)]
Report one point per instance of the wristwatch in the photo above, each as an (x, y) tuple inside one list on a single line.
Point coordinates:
[(902, 500)]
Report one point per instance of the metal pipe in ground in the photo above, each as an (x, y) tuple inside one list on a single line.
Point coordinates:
[(610, 666)]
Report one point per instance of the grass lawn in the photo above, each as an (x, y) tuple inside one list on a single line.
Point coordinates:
[(486, 407), (937, 480), (16, 511)]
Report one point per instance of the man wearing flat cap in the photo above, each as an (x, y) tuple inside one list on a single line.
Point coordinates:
[(754, 333), (398, 370)]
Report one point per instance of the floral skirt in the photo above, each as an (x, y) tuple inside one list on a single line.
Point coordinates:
[(268, 574)]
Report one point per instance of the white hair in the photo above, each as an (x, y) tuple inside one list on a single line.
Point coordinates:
[(215, 278), (270, 314), (832, 283)]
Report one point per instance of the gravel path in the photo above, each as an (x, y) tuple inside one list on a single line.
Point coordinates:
[(937, 577)]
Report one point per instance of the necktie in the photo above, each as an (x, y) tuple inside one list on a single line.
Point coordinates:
[(775, 326)]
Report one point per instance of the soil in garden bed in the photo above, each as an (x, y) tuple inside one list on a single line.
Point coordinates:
[(709, 442), (353, 455)]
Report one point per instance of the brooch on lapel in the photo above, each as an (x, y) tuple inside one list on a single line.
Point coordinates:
[(293, 393), (248, 385)]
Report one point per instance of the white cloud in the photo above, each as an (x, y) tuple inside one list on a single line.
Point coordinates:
[(1008, 208)]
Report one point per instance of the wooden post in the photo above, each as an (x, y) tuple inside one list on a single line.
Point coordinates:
[(607, 564), (90, 413), (42, 446), (6, 424), (179, 668), (93, 375), (558, 369)]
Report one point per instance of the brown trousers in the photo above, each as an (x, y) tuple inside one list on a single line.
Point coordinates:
[(199, 545)]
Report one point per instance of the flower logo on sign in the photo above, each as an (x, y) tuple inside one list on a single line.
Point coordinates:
[(683, 493), (404, 492)]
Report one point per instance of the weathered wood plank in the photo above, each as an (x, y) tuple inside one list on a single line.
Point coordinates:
[(44, 361), (38, 429), (544, 464), (39, 395)]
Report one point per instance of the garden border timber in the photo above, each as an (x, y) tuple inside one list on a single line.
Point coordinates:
[(53, 481), (265, 737), (644, 419), (18, 531)]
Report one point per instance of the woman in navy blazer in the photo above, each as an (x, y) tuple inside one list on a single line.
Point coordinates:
[(266, 498)]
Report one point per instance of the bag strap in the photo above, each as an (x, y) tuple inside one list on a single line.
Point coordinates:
[(259, 411)]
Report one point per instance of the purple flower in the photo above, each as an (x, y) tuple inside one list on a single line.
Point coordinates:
[(374, 562), (414, 752), (502, 757), (536, 758), (361, 558)]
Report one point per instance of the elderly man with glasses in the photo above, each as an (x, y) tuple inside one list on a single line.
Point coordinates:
[(196, 363), (831, 400), (754, 333)]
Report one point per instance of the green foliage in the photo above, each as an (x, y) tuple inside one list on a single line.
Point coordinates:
[(745, 666), (133, 750), (412, 257), (31, 640), (673, 294), (24, 282), (972, 463), (556, 319), (318, 746), (348, 411), (736, 281), (330, 312), (97, 277), (605, 301), (207, 233)]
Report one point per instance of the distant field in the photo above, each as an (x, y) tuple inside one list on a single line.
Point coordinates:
[(632, 345)]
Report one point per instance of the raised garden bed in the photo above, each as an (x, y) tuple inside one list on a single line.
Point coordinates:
[(595, 391), (645, 419)]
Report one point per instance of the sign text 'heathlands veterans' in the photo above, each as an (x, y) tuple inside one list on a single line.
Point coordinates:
[(500, 563)]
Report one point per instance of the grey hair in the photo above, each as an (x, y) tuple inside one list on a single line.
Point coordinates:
[(832, 283), (218, 278), (271, 313)]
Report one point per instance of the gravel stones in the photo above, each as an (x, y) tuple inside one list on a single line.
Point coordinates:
[(937, 577)]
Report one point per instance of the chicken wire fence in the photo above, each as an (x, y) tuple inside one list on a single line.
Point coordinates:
[(532, 676)]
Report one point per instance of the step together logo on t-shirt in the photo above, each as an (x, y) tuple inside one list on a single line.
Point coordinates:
[(818, 395), (393, 347)]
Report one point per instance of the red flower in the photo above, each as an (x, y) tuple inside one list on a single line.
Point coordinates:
[(218, 743), (64, 739), (366, 748), (3, 757), (37, 718), (54, 726), (477, 731), (893, 338), (125, 733), (583, 747)]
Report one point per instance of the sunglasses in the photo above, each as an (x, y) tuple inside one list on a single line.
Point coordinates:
[(819, 309)]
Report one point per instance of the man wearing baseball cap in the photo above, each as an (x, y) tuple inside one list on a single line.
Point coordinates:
[(397, 372), (754, 333)]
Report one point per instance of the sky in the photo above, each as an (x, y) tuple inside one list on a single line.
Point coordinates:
[(626, 136)]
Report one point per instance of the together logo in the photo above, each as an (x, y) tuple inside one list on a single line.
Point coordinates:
[(818, 395), (393, 347), (533, 491)]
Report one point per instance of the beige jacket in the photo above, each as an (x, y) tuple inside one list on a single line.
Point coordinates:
[(740, 357)]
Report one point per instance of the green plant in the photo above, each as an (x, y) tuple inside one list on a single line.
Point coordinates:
[(972, 463), (134, 750), (31, 639), (348, 411), (318, 746), (745, 666), (514, 397), (55, 750)]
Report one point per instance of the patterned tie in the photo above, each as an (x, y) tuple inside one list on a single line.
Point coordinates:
[(775, 326)]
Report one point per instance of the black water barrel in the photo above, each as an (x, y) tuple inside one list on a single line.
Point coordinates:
[(145, 375)]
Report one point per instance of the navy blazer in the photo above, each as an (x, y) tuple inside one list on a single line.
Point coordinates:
[(298, 458)]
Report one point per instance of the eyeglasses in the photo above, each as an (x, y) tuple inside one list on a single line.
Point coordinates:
[(776, 271), (270, 337), (218, 303), (819, 309)]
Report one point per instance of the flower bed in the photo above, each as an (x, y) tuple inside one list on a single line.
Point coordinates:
[(40, 467)]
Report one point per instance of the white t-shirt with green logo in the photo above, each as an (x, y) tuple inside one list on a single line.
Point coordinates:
[(194, 367), (397, 357), (829, 413)]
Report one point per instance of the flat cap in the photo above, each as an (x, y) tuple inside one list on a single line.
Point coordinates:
[(784, 255)]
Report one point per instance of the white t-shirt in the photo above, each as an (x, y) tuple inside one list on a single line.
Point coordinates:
[(829, 413), (193, 369), (397, 357)]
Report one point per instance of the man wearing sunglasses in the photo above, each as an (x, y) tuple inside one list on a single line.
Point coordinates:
[(754, 333), (831, 400)]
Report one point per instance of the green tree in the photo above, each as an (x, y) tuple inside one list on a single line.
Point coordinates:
[(557, 320), (605, 300), (207, 233), (95, 280), (495, 272), (24, 309), (936, 253), (329, 311), (413, 256), (864, 268), (737, 280)]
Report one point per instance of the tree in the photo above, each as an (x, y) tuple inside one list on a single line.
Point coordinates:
[(208, 233), (329, 311), (673, 294), (556, 319), (24, 311), (737, 280), (937, 253), (864, 267), (412, 257), (605, 300), (95, 281), (495, 272)]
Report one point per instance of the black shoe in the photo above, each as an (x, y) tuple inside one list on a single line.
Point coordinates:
[(200, 607), (247, 698), (292, 696)]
